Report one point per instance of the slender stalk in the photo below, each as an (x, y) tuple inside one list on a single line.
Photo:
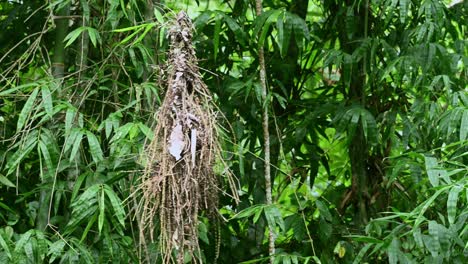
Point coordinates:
[(266, 135), (58, 62), (58, 69)]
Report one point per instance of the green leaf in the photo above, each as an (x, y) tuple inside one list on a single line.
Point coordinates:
[(134, 131), (23, 150), (216, 35), (273, 216), (432, 173), (249, 211), (101, 210), (129, 37), (72, 36), (5, 247), (361, 254), (95, 147), (124, 8), (418, 238), (464, 126), (148, 27), (266, 27), (76, 143), (365, 239), (93, 36), (88, 227), (393, 251), (121, 132), (235, 28), (50, 168), (19, 87), (452, 203), (203, 232), (108, 127), (262, 23), (404, 4), (26, 111), (159, 17), (77, 185), (69, 119), (117, 205), (146, 131), (47, 100), (5, 181), (83, 208), (137, 27), (420, 210), (24, 238), (56, 250), (301, 32)]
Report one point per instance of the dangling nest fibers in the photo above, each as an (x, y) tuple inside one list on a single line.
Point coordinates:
[(179, 180)]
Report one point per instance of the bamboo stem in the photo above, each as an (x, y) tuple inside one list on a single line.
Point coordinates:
[(266, 135)]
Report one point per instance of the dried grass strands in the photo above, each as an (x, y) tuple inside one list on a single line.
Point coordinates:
[(179, 180)]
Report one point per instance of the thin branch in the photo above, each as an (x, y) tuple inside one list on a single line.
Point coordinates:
[(266, 135)]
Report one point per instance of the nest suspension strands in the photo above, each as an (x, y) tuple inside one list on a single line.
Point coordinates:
[(179, 180)]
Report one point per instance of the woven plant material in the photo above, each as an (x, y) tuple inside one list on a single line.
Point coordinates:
[(179, 181)]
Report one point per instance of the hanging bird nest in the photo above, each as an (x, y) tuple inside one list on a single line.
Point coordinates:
[(179, 181)]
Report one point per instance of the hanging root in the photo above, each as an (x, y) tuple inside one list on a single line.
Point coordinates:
[(179, 180)]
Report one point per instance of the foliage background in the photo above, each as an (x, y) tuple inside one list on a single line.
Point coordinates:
[(369, 126)]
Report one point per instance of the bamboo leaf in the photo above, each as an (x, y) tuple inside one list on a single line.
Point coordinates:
[(95, 147), (420, 210), (72, 36), (83, 208), (108, 127), (22, 151), (116, 203), (464, 126), (5, 181), (19, 87), (101, 210), (452, 203), (26, 111), (235, 28), (146, 131), (361, 254), (77, 186), (89, 225), (432, 173), (148, 27), (266, 27), (76, 143), (393, 250), (70, 139), (301, 32), (159, 17), (69, 119), (129, 37), (216, 35), (24, 238), (137, 27), (249, 211), (5, 247), (50, 169), (47, 100), (94, 36), (404, 4)]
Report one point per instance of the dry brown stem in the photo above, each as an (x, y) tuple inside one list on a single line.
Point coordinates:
[(179, 180)]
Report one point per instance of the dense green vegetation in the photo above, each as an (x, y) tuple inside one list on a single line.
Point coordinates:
[(368, 124)]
